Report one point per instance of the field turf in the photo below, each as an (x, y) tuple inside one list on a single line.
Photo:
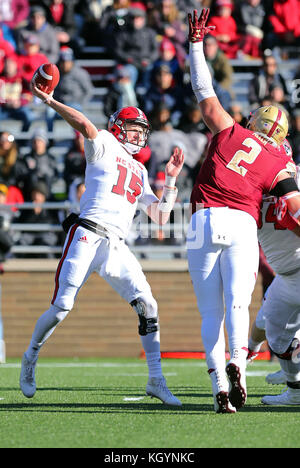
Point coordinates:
[(101, 403)]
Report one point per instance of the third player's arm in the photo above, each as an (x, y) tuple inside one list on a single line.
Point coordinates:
[(290, 195)]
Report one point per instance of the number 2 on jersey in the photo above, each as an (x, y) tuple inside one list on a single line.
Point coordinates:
[(135, 185), (242, 155)]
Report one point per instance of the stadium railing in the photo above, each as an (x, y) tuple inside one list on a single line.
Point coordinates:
[(143, 238)]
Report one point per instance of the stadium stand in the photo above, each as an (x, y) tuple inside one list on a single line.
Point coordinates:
[(99, 61)]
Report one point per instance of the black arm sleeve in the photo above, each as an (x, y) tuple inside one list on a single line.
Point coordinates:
[(284, 186)]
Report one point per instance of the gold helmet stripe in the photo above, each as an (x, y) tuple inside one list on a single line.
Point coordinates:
[(272, 130)]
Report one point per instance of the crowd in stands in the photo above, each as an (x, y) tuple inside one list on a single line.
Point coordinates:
[(148, 42)]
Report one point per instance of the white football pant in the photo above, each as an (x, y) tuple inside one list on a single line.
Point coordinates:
[(223, 261)]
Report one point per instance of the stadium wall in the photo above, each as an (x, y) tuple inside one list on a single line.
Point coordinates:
[(101, 324)]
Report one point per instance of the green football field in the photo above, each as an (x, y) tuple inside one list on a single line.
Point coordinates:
[(101, 403)]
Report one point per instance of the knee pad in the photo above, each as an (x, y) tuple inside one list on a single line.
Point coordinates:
[(147, 313), (291, 353)]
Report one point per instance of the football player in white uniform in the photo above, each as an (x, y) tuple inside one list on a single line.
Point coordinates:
[(115, 183), (278, 319)]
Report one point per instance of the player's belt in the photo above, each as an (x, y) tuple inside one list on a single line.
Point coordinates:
[(94, 227)]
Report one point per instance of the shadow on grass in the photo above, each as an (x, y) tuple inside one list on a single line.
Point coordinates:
[(147, 406)]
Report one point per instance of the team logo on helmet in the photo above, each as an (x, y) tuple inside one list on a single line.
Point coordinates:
[(270, 121)]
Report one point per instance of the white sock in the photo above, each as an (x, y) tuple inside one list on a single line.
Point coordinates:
[(44, 328), (151, 345), (154, 364)]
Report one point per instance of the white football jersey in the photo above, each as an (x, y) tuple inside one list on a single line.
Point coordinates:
[(115, 183), (281, 246)]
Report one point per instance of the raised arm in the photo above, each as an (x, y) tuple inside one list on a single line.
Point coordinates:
[(76, 119), (160, 211), (213, 114)]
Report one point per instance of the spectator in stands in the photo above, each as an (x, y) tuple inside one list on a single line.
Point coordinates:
[(6, 215), (166, 137), (136, 46), (16, 96), (8, 35), (39, 26), (167, 56), (285, 24), (11, 167), (121, 93), (278, 97), (225, 30), (75, 192), (260, 85), (113, 19), (40, 164), (14, 13), (6, 49), (74, 161), (191, 120), (31, 59), (38, 215), (75, 87), (187, 6), (218, 61), (61, 16), (198, 134), (250, 17), (166, 21), (14, 195), (166, 90), (236, 112)]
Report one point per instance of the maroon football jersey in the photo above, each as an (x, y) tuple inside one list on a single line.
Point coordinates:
[(239, 168)]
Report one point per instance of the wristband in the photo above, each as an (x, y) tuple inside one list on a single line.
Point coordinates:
[(166, 203), (170, 181)]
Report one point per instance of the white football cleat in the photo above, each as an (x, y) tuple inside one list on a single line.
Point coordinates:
[(157, 388), (220, 388), (276, 378), (27, 377), (290, 397)]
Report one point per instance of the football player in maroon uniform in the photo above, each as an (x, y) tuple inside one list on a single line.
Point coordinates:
[(242, 164)]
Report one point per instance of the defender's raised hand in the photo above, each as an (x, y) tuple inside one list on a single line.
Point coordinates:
[(197, 28), (174, 166)]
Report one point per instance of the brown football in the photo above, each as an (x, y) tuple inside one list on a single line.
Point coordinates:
[(46, 77)]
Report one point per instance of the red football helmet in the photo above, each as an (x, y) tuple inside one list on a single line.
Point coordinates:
[(117, 125)]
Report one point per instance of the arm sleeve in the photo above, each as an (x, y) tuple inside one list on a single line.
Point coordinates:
[(201, 79)]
